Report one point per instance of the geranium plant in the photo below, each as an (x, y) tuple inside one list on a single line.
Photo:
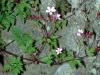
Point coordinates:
[(48, 25)]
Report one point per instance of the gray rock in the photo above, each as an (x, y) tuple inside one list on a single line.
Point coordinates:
[(45, 51), (81, 71), (25, 27), (13, 48), (93, 71), (96, 27), (89, 62), (41, 69), (97, 62), (69, 38), (74, 3), (81, 53), (64, 69), (6, 36)]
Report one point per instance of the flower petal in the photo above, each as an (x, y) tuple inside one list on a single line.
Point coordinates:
[(78, 34), (80, 30), (48, 8), (58, 15), (47, 11), (53, 9)]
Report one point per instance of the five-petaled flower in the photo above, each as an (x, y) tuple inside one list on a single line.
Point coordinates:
[(50, 10), (58, 50), (80, 32)]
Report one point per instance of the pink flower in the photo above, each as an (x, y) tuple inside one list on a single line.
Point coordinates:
[(58, 50), (50, 10), (80, 32)]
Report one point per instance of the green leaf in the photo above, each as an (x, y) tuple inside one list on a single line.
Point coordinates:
[(46, 59), (7, 20), (90, 51), (60, 23), (23, 40), (49, 40), (22, 9), (7, 16), (74, 62), (14, 65), (7, 67), (52, 41)]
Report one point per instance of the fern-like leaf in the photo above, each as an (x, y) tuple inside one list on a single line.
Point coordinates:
[(23, 40)]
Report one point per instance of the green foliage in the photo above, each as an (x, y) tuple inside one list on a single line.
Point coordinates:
[(7, 21), (48, 58), (22, 9), (90, 51), (14, 65), (6, 16), (9, 10), (23, 40), (74, 62), (59, 24), (8, 13), (69, 58), (52, 41), (6, 6)]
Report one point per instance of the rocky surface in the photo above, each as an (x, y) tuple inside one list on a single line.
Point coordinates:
[(64, 69), (41, 69), (68, 41)]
